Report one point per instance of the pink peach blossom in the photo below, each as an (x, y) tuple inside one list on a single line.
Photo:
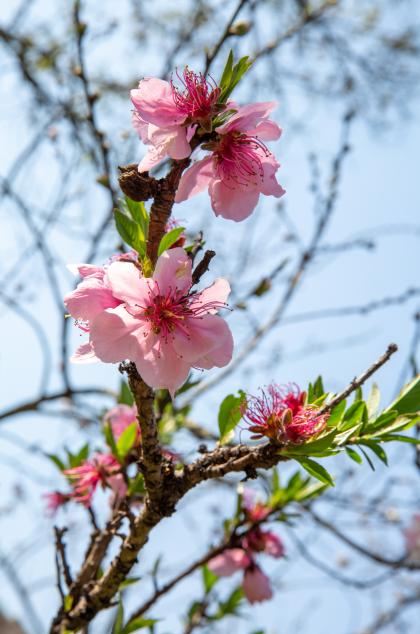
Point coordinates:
[(86, 477), (120, 417), (166, 116), (240, 166), (229, 562), (157, 322), (256, 585)]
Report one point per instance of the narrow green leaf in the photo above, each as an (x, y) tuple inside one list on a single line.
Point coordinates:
[(129, 582), (310, 491), (353, 415), (316, 470), (138, 213), (209, 578), (229, 415), (169, 239), (138, 624), (337, 414), (125, 396), (369, 461), (400, 438), (130, 232), (354, 455), (408, 401), (56, 460), (227, 72), (373, 401), (110, 440), (126, 441), (376, 449), (117, 628), (318, 387)]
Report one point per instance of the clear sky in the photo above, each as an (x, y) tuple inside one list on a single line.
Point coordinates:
[(378, 199)]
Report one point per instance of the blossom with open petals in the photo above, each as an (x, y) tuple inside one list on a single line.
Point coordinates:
[(120, 417), (158, 322), (256, 585), (85, 478), (240, 166), (166, 115), (279, 413)]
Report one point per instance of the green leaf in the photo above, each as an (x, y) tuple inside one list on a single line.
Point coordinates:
[(56, 460), (353, 415), (354, 455), (130, 232), (227, 72), (128, 582), (138, 213), (408, 401), (343, 437), (125, 396), (373, 401), (376, 449), (127, 439), (76, 459), (229, 415), (318, 388), (209, 578), (336, 414), (138, 624), (400, 438), (68, 602), (312, 448), (369, 461), (309, 491), (230, 606), (110, 440), (316, 470), (117, 628), (169, 239)]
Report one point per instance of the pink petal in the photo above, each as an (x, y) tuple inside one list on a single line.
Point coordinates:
[(195, 179), (161, 367), (266, 131), (172, 140), (270, 186), (87, 270), (153, 157), (84, 354), (141, 126), (273, 545), (205, 334), (173, 271), (127, 283), (248, 117), (256, 585), (115, 335), (219, 356), (217, 292), (229, 562), (232, 203), (89, 299), (154, 101)]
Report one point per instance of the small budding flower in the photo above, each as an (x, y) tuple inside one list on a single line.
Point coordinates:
[(54, 500), (279, 414), (84, 479), (120, 417)]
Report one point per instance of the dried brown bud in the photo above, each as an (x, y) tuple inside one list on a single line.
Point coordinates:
[(136, 186)]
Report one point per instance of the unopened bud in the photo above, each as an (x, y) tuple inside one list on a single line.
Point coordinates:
[(240, 28)]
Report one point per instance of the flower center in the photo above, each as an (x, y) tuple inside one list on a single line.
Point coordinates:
[(198, 97), (238, 159)]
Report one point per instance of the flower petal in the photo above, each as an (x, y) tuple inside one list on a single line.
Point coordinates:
[(195, 179), (84, 354), (89, 299), (217, 292), (256, 585), (173, 271), (116, 335), (161, 367), (232, 203), (154, 102), (229, 562), (126, 283)]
